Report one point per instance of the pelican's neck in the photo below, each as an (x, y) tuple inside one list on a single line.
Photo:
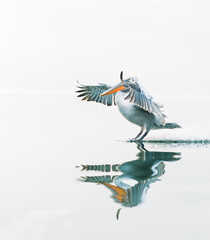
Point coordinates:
[(123, 105), (120, 96)]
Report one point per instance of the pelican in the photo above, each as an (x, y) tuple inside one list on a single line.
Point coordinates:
[(133, 102)]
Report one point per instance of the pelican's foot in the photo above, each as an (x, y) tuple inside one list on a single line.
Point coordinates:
[(134, 140), (139, 140)]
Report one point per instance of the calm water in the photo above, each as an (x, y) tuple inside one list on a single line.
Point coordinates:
[(68, 172)]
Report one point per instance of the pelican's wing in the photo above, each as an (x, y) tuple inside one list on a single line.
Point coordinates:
[(139, 97), (92, 93)]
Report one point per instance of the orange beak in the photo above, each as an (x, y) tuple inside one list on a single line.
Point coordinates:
[(114, 89)]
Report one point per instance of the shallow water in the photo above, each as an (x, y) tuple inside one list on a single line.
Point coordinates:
[(67, 171)]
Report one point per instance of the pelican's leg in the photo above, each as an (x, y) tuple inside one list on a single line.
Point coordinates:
[(143, 136), (139, 134)]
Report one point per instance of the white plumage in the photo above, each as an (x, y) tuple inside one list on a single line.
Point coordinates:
[(133, 102)]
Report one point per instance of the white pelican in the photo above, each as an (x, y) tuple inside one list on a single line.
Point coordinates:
[(133, 103)]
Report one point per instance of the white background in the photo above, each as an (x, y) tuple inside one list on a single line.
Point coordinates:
[(48, 45), (45, 130)]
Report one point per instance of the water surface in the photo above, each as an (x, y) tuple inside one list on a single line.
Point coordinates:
[(67, 171)]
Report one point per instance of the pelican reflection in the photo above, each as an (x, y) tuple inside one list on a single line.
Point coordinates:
[(130, 180)]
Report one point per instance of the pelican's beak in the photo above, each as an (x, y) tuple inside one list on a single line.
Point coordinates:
[(114, 89)]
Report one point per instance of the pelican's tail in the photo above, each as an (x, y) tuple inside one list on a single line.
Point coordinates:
[(168, 126)]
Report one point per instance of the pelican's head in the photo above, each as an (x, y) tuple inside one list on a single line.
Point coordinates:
[(122, 86)]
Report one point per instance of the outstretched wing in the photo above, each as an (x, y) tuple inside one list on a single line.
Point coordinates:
[(92, 93), (139, 97)]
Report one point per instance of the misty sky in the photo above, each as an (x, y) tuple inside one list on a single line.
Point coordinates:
[(46, 46)]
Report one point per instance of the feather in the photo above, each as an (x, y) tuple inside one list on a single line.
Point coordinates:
[(138, 96), (92, 93)]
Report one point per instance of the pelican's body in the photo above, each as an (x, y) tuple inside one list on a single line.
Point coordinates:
[(133, 103), (133, 113)]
